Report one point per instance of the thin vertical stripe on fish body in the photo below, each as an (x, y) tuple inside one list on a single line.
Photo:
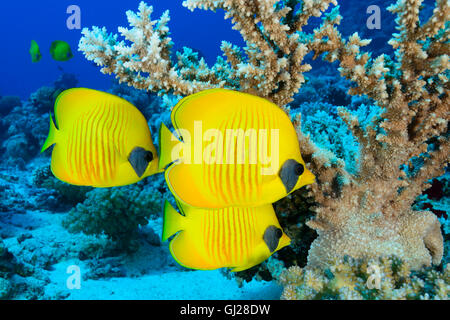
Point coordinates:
[(97, 132), (231, 237), (244, 143)]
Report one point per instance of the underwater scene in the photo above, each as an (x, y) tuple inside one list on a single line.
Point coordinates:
[(225, 150)]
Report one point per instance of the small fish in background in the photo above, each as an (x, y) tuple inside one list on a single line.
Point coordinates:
[(35, 52), (221, 183), (208, 239), (60, 51), (101, 140)]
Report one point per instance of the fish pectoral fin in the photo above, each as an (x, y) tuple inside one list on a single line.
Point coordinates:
[(167, 141), (139, 158)]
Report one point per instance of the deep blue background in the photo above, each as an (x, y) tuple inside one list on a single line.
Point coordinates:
[(45, 21)]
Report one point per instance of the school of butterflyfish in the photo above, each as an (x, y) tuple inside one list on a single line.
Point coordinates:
[(230, 156)]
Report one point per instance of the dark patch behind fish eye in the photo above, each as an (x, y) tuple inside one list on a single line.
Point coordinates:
[(271, 237), (138, 160), (288, 174)]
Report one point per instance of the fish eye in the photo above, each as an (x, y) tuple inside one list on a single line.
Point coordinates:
[(279, 233), (148, 156), (299, 169)]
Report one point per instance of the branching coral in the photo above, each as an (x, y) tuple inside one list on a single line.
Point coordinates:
[(148, 54), (271, 65), (364, 213), (369, 213)]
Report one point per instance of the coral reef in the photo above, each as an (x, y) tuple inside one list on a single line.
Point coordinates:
[(8, 103), (116, 212), (292, 212), (372, 158), (26, 124), (64, 195), (356, 279), (18, 279), (369, 213), (44, 98), (271, 65), (437, 200)]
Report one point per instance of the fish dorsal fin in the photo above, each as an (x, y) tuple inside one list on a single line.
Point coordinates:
[(185, 103), (72, 102)]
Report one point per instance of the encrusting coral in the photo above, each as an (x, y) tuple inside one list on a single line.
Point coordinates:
[(363, 279), (365, 213)]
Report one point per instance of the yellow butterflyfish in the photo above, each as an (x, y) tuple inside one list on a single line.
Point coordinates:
[(236, 149), (101, 140), (208, 239)]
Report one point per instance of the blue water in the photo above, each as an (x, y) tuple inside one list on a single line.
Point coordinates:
[(45, 21)]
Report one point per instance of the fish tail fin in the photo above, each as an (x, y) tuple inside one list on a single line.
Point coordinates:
[(167, 141), (173, 221), (52, 136)]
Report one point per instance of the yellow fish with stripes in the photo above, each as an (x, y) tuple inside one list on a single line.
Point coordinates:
[(236, 149), (101, 140), (208, 239)]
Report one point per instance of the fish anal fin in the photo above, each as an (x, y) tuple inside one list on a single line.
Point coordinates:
[(237, 269), (184, 250)]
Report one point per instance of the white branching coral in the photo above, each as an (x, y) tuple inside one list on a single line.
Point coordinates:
[(270, 66), (145, 64)]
